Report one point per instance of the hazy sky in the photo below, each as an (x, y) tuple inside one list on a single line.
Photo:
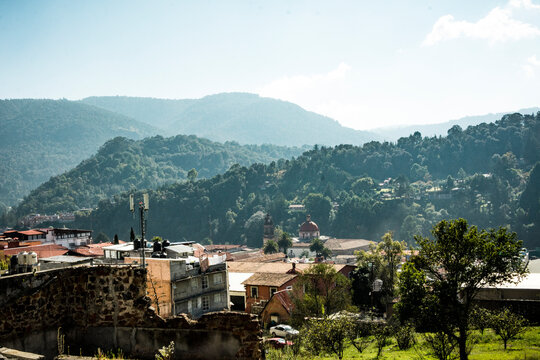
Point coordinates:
[(364, 63)]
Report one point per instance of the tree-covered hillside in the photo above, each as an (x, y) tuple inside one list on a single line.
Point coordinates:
[(42, 138), (242, 117), (160, 113), (123, 164), (479, 173)]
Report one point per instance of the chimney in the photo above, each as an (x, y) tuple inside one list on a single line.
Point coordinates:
[(294, 267)]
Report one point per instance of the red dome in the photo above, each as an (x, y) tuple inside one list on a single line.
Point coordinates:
[(309, 226)]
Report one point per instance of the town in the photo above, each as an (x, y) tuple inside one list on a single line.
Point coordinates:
[(354, 280)]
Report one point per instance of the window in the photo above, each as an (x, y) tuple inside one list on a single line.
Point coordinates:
[(273, 290), (218, 279), (189, 306), (194, 283), (217, 298), (198, 303), (205, 282), (254, 291), (205, 303)]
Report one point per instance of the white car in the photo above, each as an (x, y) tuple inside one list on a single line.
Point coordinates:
[(285, 331)]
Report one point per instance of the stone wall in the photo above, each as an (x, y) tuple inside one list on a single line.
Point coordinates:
[(106, 307)]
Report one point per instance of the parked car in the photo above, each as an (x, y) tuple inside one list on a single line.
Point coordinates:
[(276, 343), (285, 331)]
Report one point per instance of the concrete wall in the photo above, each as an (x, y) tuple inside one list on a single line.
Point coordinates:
[(106, 307)]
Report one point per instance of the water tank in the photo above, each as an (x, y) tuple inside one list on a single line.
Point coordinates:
[(136, 244), (28, 258), (21, 257), (166, 243), (157, 246), (156, 254), (163, 255), (33, 258)]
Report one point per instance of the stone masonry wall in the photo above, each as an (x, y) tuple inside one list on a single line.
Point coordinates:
[(106, 307)]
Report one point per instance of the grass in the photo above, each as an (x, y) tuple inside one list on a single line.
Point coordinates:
[(488, 347)]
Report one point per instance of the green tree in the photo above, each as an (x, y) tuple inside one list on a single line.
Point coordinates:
[(438, 286), (328, 335), (319, 291), (102, 238), (507, 325), (382, 262), (319, 206), (271, 247), (317, 246), (363, 185), (192, 175), (284, 242)]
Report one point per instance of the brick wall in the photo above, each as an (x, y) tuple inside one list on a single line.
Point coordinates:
[(107, 307)]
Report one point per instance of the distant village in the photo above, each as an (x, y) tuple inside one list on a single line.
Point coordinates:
[(187, 277), (190, 278)]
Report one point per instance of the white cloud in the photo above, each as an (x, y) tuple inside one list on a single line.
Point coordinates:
[(497, 26), (289, 88), (323, 93), (531, 66), (525, 4)]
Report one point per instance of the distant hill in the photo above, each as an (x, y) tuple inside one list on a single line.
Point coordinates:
[(393, 133), (43, 138), (246, 118), (161, 113), (431, 179), (123, 164)]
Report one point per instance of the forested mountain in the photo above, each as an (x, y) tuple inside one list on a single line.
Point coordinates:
[(123, 164), (161, 113), (242, 117), (42, 138), (479, 173), (395, 132)]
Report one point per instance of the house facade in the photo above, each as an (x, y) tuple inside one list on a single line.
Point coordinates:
[(178, 286), (261, 286), (277, 310)]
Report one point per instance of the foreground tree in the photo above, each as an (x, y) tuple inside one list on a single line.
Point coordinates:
[(318, 291), (438, 286), (328, 335), (380, 262), (508, 325)]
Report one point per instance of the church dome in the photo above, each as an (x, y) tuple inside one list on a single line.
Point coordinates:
[(309, 226)]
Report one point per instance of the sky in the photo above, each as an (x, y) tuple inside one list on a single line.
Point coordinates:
[(366, 64)]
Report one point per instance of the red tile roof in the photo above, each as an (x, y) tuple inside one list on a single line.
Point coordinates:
[(93, 250), (32, 232), (42, 251)]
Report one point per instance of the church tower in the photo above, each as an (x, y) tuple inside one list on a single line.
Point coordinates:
[(268, 228)]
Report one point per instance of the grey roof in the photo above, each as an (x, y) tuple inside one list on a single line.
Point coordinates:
[(180, 248), (67, 259)]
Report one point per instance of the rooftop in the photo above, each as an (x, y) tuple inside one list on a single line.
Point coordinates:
[(347, 244), (269, 279), (265, 267), (236, 281)]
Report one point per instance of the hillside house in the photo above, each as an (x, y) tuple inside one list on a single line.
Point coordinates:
[(261, 286), (278, 309), (176, 286)]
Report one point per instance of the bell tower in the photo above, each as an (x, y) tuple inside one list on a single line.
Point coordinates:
[(268, 228)]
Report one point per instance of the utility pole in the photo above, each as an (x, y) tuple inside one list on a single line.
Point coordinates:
[(143, 208)]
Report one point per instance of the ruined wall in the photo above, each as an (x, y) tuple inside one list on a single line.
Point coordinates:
[(106, 307)]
